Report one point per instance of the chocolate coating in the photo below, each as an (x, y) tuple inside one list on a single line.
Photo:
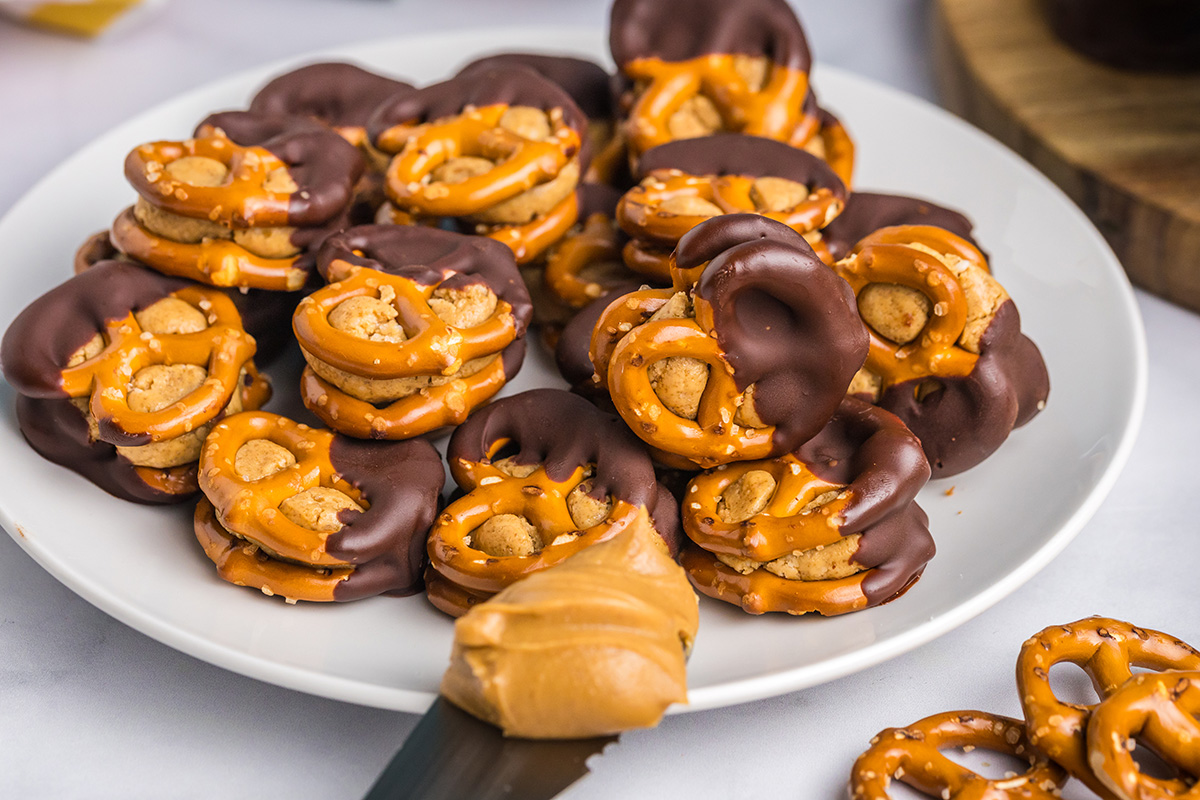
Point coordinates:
[(971, 416), (867, 212), (597, 198), (739, 154), (678, 31), (871, 452), (513, 86), (266, 315), (40, 341), (58, 431), (585, 81), (562, 431), (431, 257), (324, 166), (785, 321), (336, 93), (402, 482)]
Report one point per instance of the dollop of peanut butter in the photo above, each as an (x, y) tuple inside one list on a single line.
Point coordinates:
[(591, 647)]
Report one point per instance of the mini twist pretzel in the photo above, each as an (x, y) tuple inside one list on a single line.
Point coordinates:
[(104, 302), (587, 263), (858, 478), (1160, 710), (741, 67), (947, 355), (241, 202), (408, 266), (523, 163), (257, 150), (590, 86), (243, 198), (913, 755), (1107, 650), (691, 180), (512, 137), (575, 477), (749, 405), (268, 522)]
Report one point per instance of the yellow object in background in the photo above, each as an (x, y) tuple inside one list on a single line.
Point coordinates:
[(86, 18)]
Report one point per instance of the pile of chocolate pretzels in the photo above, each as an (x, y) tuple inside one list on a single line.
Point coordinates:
[(768, 361)]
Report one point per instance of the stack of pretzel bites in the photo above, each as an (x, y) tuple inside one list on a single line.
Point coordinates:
[(1156, 709), (417, 327), (760, 357)]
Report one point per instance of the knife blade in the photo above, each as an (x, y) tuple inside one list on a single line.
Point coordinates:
[(451, 755)]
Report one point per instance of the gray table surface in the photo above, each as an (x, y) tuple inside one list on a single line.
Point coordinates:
[(90, 708)]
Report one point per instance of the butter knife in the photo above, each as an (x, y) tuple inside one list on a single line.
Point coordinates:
[(451, 755)]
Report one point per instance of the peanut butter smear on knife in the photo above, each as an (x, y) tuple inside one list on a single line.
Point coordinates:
[(595, 646)]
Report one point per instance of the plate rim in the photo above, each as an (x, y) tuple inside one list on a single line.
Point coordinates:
[(733, 692)]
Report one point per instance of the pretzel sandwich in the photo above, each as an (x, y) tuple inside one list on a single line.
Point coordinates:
[(241, 203), (311, 515), (419, 327), (133, 368), (947, 354), (746, 357), (686, 182), (545, 474), (496, 149), (832, 527)]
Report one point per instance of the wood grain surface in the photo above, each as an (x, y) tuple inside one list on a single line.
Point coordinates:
[(1125, 146)]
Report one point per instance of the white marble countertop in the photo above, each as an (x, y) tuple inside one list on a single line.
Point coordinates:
[(90, 708)]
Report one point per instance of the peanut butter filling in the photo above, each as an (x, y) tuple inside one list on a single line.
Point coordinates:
[(592, 646)]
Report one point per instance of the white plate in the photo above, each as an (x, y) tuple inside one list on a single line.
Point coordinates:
[(1004, 521)]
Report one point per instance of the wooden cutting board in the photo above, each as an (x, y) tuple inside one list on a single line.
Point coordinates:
[(1125, 146)]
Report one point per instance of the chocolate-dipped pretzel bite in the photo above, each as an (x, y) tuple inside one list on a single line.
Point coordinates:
[(832, 527), (867, 212), (712, 66), (947, 354), (546, 474), (688, 181), (591, 87), (310, 515), (122, 372), (242, 203), (266, 315), (418, 327), (497, 150), (747, 357), (1107, 650)]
